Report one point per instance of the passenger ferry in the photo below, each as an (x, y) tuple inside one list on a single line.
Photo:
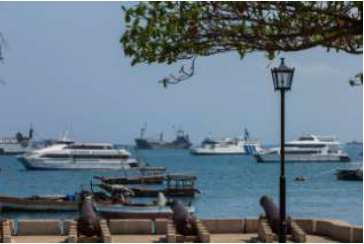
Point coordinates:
[(307, 148), (228, 146), (66, 154)]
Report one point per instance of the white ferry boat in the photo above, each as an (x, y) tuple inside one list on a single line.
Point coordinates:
[(16, 145), (307, 148), (228, 146), (65, 155)]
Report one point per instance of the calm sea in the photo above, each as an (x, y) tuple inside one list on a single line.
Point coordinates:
[(231, 185)]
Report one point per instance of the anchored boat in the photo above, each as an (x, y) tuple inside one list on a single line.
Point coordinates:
[(46, 203), (16, 145), (182, 141), (136, 211), (143, 179), (108, 207), (150, 179), (176, 186), (65, 155), (307, 148), (352, 173), (227, 146)]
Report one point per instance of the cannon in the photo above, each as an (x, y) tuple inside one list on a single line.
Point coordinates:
[(273, 218), (88, 223), (271, 212), (184, 222)]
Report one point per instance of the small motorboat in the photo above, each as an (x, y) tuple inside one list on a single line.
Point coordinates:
[(301, 178)]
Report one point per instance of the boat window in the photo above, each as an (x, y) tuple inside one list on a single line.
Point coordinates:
[(303, 152), (306, 145), (90, 147), (306, 138), (85, 156), (8, 141), (56, 156)]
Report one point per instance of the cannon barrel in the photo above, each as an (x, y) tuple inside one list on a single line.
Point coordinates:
[(271, 212), (88, 223), (182, 219)]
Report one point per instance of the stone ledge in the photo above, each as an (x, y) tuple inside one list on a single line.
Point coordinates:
[(44, 227), (131, 226), (224, 225), (171, 233), (202, 232), (72, 232), (160, 226), (6, 231), (105, 232), (357, 234), (298, 233), (265, 233)]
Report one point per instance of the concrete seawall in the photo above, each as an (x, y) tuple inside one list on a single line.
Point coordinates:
[(145, 230)]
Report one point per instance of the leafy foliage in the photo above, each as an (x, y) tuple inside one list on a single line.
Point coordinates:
[(165, 32)]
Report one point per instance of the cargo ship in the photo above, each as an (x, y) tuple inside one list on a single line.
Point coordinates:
[(182, 141), (17, 144)]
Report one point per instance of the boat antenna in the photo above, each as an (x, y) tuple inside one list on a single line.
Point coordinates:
[(31, 131), (246, 134)]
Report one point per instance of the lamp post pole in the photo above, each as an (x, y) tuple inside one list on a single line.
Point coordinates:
[(282, 178), (282, 81)]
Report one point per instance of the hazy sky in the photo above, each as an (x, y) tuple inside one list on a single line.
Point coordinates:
[(65, 69)]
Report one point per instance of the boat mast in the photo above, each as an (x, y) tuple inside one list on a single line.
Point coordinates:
[(142, 131), (31, 131)]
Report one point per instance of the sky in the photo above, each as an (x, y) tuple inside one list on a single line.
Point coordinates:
[(64, 70)]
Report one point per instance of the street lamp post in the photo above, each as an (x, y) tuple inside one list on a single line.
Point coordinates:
[(282, 80)]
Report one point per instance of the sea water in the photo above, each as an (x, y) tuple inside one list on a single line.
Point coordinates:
[(230, 186)]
